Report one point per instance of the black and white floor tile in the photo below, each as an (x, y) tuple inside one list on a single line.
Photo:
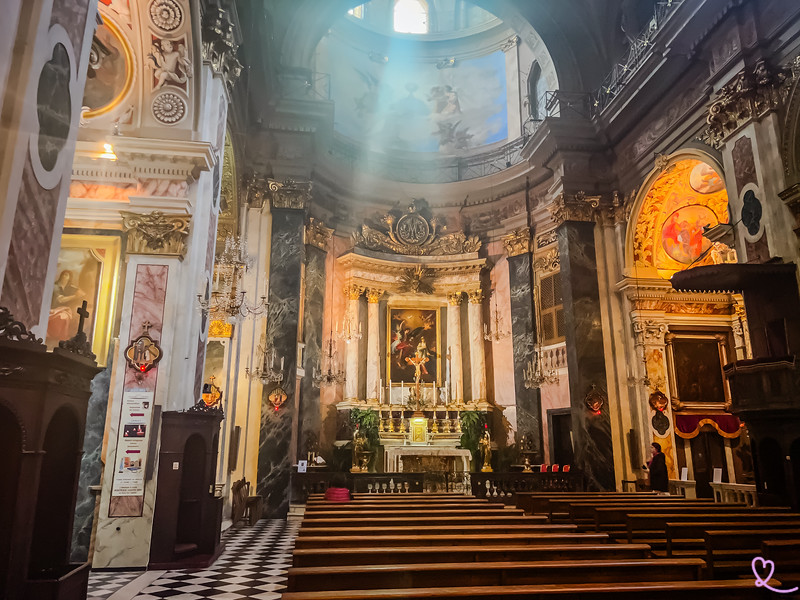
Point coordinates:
[(104, 583), (253, 565)]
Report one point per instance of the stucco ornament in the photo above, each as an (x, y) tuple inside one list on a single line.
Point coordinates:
[(169, 108), (167, 15)]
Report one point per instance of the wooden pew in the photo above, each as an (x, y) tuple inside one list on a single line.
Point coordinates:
[(645, 525), (456, 529), (786, 556), (582, 512), (485, 574), (320, 557), (729, 552), (345, 506), (651, 590), (417, 541), (686, 539), (420, 522), (538, 502), (413, 513)]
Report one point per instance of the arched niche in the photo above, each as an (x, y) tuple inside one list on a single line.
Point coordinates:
[(680, 196), (52, 526), (11, 446)]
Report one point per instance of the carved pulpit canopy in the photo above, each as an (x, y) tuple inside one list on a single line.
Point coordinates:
[(414, 232)]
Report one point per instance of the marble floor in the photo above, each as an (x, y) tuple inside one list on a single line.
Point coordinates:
[(253, 565)]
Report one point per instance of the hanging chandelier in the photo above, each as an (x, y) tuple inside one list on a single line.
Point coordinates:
[(267, 374), (226, 300), (497, 333), (349, 331), (330, 375)]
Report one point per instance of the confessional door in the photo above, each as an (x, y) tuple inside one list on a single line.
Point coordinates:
[(708, 453), (561, 452)]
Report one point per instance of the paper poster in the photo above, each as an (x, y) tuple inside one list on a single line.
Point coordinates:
[(132, 442)]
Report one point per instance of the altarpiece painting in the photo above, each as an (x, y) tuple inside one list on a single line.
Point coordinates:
[(412, 332)]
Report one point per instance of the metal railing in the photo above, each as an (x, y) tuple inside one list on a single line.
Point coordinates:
[(640, 49)]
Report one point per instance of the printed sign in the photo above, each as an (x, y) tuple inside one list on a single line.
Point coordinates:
[(132, 441)]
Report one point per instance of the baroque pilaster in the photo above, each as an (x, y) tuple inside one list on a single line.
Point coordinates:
[(351, 333), (454, 346), (373, 344), (477, 354)]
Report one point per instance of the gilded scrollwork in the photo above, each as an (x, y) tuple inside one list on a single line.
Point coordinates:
[(289, 194), (414, 233), (518, 242), (317, 234), (155, 233), (549, 262), (417, 280)]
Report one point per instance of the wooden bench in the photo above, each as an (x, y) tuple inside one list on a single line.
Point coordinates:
[(490, 573), (416, 541), (786, 556), (654, 525), (321, 557), (584, 513), (421, 522), (539, 502), (456, 529), (345, 506), (654, 590), (466, 513), (687, 538), (730, 551)]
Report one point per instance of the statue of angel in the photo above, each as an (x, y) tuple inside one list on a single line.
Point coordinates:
[(170, 64)]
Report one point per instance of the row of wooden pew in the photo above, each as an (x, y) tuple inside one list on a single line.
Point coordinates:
[(458, 547)]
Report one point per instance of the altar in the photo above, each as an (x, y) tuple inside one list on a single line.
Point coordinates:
[(425, 459)]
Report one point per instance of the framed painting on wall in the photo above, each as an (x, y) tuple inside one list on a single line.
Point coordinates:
[(412, 332), (87, 269), (696, 377)]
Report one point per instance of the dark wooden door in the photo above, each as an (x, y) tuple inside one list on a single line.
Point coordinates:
[(561, 433), (708, 453)]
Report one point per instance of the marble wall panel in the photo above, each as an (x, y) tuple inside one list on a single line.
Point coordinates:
[(523, 335), (585, 359), (309, 411), (502, 351), (276, 427), (91, 462)]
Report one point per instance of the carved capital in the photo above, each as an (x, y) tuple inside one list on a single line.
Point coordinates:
[(618, 212), (648, 332), (374, 295), (791, 198), (353, 292), (218, 328), (155, 233), (546, 238), (752, 93), (454, 299), (551, 261), (518, 242), (219, 45), (317, 234), (510, 43), (475, 297), (255, 189), (289, 194), (580, 208)]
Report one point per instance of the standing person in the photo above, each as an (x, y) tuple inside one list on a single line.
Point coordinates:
[(659, 480), (338, 491)]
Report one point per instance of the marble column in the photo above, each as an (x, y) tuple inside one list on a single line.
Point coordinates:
[(351, 332), (523, 332), (591, 424), (278, 426), (310, 416), (454, 347), (477, 355), (373, 344)]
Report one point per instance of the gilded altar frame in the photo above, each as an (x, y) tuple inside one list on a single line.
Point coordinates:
[(412, 306), (719, 340)]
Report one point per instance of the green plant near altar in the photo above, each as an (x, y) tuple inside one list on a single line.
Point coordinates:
[(473, 423), (367, 421)]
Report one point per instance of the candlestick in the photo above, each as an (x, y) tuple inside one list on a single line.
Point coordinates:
[(282, 357)]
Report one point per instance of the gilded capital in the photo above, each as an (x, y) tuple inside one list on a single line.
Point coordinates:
[(218, 329), (374, 295), (317, 234), (579, 207), (475, 297), (353, 292), (255, 189), (155, 233), (289, 194), (549, 262), (518, 242), (454, 299)]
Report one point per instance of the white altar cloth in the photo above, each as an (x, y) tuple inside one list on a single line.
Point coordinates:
[(393, 456)]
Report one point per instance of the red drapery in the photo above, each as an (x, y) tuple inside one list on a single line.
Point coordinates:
[(688, 426)]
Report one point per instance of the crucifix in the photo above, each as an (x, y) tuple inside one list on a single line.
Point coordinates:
[(83, 313), (418, 360)]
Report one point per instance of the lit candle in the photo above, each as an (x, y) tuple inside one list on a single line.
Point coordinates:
[(282, 357)]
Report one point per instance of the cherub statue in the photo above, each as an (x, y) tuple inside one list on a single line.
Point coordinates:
[(170, 65)]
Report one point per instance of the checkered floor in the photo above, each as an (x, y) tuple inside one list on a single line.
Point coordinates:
[(253, 565), (104, 583)]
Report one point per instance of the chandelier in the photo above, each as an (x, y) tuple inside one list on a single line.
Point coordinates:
[(226, 300), (267, 374), (331, 375), (497, 333), (349, 331), (535, 374)]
